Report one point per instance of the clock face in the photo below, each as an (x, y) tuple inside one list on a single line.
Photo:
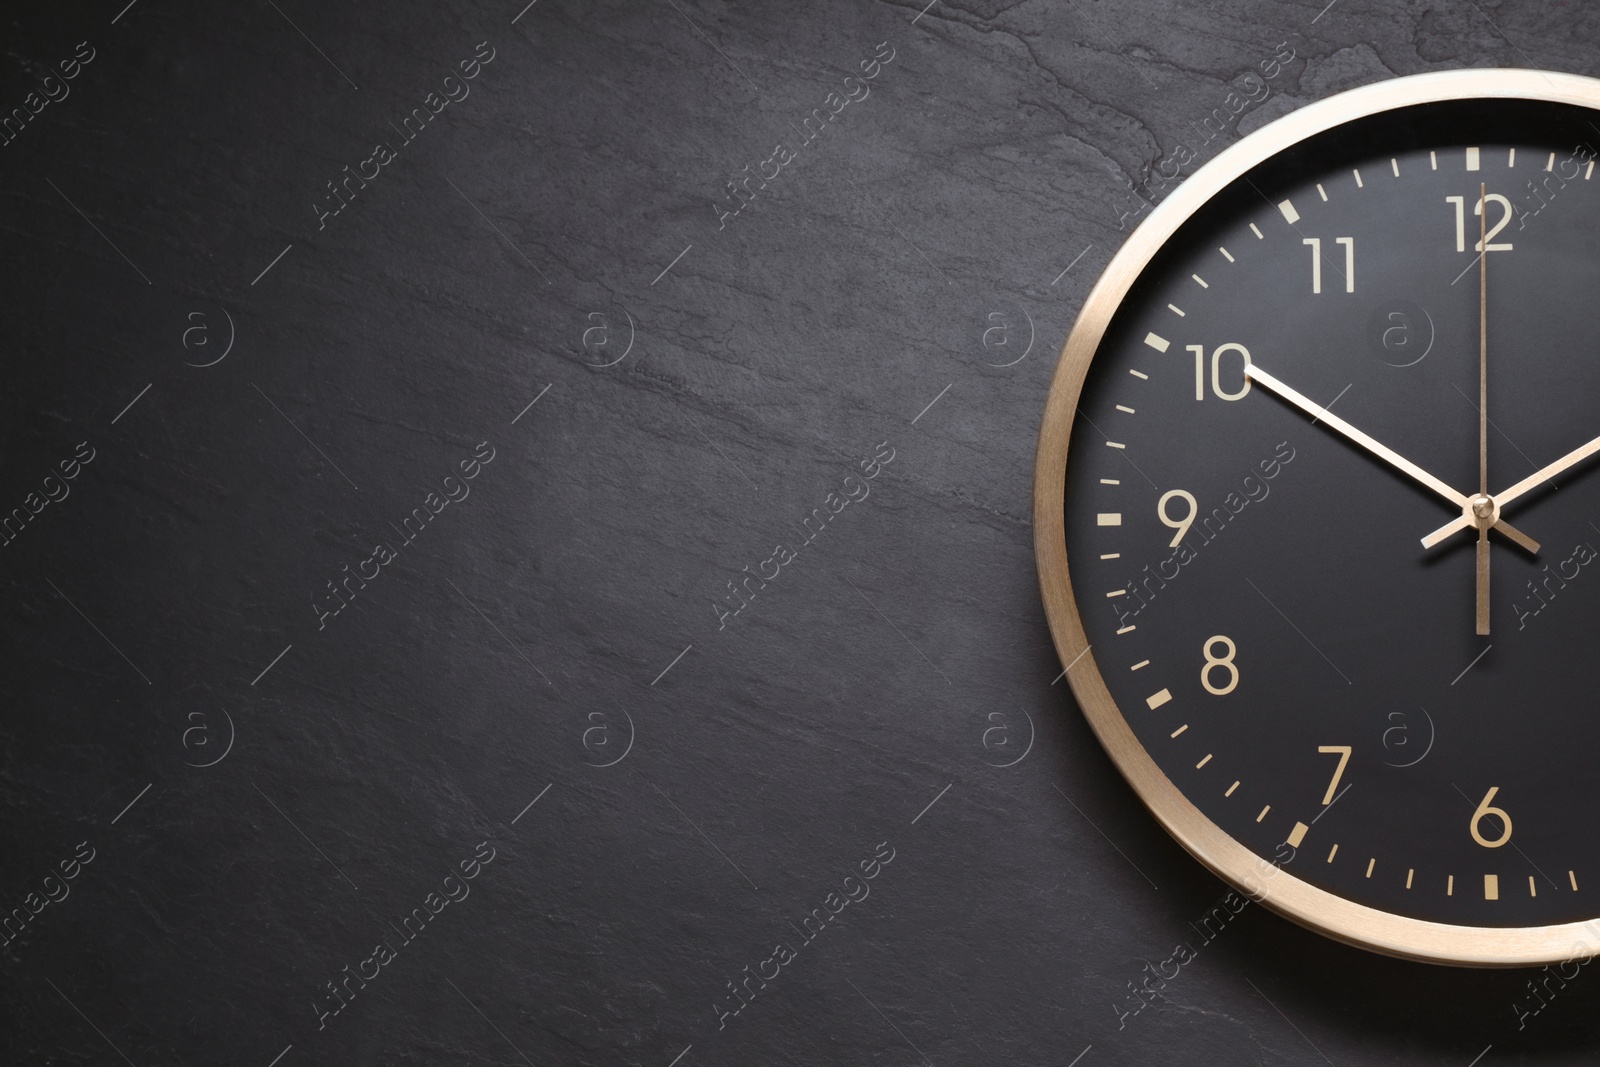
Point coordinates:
[(1272, 398)]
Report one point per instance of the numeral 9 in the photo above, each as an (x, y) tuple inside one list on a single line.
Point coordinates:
[(1181, 525)]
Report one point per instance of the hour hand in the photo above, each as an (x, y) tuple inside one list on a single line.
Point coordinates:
[(1381, 450)]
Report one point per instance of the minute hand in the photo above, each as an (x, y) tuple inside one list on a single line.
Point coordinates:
[(1532, 481), (1381, 450)]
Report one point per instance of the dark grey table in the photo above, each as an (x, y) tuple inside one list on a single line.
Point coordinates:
[(517, 546)]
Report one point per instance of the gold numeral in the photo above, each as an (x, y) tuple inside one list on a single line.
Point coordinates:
[(1225, 662), (1216, 371), (1349, 262), (1343, 752), (1181, 525), (1499, 813), (1460, 204)]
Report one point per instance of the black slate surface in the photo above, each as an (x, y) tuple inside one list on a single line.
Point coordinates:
[(220, 795)]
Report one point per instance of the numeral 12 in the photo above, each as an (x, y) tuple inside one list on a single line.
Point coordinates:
[(1460, 203)]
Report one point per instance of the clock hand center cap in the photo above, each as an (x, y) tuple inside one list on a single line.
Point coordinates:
[(1482, 511)]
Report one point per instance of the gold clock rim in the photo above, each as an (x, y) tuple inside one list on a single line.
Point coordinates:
[(1278, 889)]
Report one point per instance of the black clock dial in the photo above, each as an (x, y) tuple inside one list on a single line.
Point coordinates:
[(1251, 578)]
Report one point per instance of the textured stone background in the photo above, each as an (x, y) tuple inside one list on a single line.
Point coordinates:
[(687, 420)]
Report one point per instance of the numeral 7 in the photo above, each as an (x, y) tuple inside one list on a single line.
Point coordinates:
[(1343, 752)]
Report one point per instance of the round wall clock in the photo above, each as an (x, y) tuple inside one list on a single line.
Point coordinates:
[(1317, 519)]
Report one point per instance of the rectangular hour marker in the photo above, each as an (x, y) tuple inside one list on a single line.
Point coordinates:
[(1410, 873), (1155, 700), (1550, 164), (1110, 481), (1263, 814), (1139, 374), (1332, 852), (1258, 233), (1533, 890), (1126, 630), (1322, 192), (1156, 341), (1231, 788), (1124, 407), (1226, 253), (1298, 834), (1359, 183), (1112, 555), (1203, 762), (1176, 310), (1433, 161), (1589, 171), (1491, 887), (1450, 886), (1117, 592), (1115, 444), (1370, 864), (1201, 280), (1180, 730), (1473, 160), (1109, 518), (1394, 164), (1141, 663), (1290, 215), (1511, 158), (1573, 878)]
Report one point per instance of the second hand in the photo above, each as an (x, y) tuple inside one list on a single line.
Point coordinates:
[(1483, 405)]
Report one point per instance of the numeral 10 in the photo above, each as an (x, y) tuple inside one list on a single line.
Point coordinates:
[(1216, 371)]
